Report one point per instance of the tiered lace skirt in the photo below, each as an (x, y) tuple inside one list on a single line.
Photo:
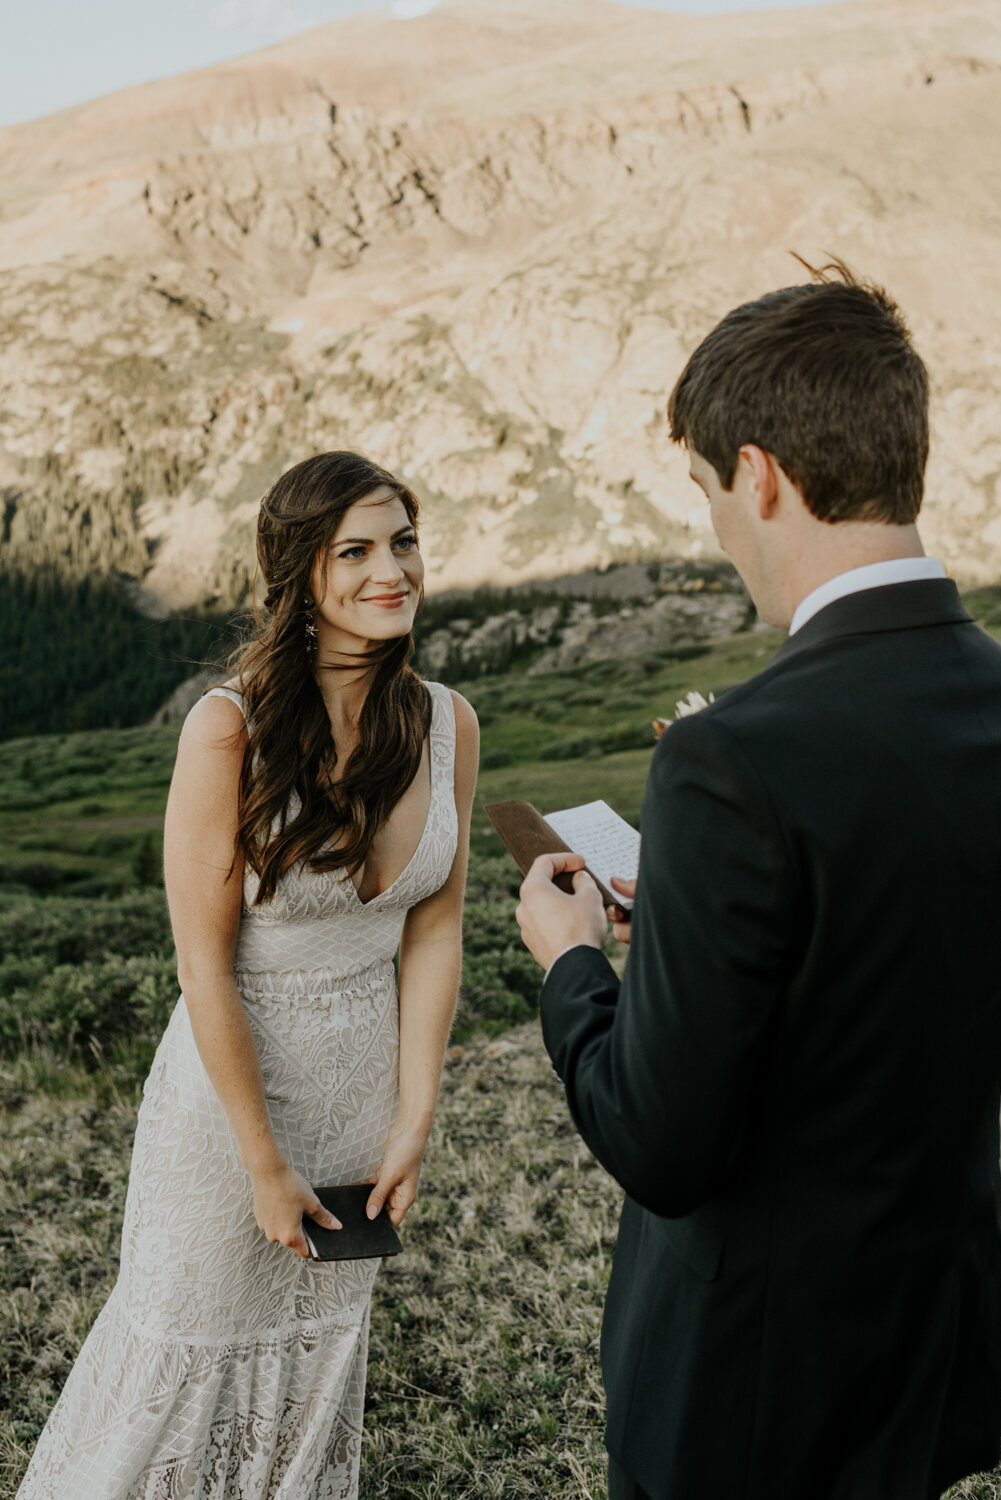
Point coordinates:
[(224, 1367)]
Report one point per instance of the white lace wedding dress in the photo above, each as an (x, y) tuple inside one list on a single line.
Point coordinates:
[(223, 1367)]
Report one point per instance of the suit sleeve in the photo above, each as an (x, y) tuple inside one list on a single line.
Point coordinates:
[(659, 1072)]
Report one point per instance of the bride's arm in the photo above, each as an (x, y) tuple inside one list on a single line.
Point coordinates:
[(430, 970), (204, 888)]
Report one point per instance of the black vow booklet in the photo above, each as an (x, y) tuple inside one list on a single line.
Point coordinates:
[(360, 1238)]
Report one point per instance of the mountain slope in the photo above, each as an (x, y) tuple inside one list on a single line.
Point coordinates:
[(478, 245)]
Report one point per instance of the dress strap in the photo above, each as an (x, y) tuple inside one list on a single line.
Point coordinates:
[(225, 692), (442, 736)]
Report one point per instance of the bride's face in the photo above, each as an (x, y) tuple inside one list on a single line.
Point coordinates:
[(368, 586)]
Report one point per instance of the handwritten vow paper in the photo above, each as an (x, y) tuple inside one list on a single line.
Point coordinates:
[(610, 846)]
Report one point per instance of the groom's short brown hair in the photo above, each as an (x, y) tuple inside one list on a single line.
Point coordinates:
[(825, 378)]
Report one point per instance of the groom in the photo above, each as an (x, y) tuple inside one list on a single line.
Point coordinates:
[(798, 1081)]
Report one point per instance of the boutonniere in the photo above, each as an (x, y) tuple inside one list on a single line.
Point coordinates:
[(692, 703)]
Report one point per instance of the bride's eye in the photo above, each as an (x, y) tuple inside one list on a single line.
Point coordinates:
[(407, 542), (352, 552)]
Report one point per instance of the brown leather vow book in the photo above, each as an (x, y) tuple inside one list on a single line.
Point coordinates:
[(526, 835), (359, 1238)]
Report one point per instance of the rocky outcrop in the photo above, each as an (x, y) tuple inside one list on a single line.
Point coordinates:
[(674, 622), (478, 246), (599, 616)]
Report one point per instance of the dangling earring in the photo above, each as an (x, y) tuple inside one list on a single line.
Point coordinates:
[(310, 627)]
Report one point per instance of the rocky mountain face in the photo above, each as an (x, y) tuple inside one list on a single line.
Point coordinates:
[(605, 616), (478, 246)]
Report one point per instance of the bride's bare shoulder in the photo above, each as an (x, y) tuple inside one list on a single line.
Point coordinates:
[(216, 721)]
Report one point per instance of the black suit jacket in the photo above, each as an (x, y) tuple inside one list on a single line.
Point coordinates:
[(798, 1081)]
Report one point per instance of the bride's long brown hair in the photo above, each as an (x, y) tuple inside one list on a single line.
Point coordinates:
[(290, 746)]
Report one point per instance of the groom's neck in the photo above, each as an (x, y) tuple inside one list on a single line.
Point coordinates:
[(824, 551)]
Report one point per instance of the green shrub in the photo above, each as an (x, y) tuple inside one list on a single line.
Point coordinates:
[(500, 979), (14, 800), (44, 843), (626, 702), (682, 653), (74, 930), (82, 765), (38, 874), (99, 887), (147, 867), (574, 748), (585, 696), (73, 971), (18, 970), (66, 789), (71, 1007), (491, 878), (11, 893), (491, 760), (109, 843), (629, 737)]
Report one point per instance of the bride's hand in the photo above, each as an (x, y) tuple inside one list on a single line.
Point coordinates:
[(397, 1178), (281, 1197)]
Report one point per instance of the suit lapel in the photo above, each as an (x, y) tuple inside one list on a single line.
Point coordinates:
[(894, 606)]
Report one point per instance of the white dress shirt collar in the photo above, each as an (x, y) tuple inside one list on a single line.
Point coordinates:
[(872, 576)]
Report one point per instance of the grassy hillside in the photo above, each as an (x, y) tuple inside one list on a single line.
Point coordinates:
[(484, 1374)]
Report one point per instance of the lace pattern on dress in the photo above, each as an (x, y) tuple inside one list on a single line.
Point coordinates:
[(273, 1420)]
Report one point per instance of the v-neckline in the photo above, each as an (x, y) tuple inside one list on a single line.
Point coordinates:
[(427, 823)]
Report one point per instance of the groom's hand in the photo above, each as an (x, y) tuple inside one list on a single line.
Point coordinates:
[(620, 916), (552, 921)]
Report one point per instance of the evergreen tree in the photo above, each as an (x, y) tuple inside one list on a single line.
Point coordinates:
[(77, 654)]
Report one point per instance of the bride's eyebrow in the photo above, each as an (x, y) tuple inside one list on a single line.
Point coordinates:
[(366, 541)]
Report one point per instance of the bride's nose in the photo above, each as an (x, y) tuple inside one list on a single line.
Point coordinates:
[(386, 566)]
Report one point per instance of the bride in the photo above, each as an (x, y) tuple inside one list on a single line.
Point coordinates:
[(318, 821)]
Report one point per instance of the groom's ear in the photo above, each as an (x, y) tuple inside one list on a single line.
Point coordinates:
[(760, 473)]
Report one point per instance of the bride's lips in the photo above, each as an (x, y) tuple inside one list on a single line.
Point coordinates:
[(387, 601)]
